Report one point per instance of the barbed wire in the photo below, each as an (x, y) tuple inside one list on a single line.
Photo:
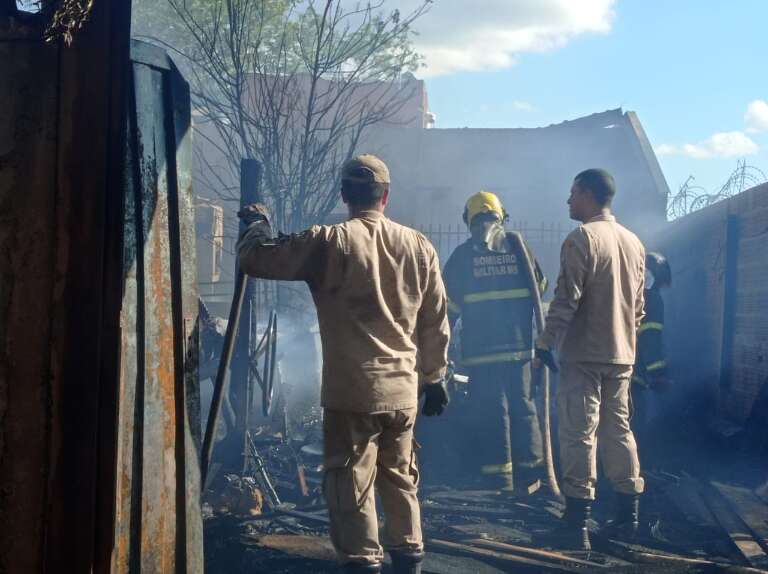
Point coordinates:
[(691, 197)]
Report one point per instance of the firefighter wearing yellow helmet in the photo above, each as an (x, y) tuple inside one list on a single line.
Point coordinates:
[(483, 202), (489, 289)]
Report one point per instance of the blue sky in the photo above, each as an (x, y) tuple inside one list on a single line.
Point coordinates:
[(689, 68)]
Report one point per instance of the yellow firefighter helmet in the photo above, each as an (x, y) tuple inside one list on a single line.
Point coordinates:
[(483, 202)]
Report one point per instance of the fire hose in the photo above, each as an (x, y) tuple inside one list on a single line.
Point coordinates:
[(543, 372)]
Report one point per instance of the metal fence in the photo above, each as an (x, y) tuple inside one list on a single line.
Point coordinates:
[(545, 239)]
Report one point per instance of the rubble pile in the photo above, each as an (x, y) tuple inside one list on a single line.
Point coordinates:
[(272, 518), (690, 527)]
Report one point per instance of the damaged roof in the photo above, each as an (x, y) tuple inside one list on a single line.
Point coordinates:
[(531, 169)]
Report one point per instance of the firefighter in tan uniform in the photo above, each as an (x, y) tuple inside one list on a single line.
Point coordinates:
[(593, 322), (488, 287), (382, 312)]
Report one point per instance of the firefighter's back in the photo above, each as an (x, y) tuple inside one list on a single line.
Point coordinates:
[(368, 308)]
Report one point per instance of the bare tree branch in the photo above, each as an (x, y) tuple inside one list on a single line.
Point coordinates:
[(294, 85)]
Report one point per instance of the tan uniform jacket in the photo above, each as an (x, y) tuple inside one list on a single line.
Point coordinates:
[(598, 302), (380, 301)]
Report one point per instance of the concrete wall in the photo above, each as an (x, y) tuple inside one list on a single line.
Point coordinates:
[(435, 170), (717, 308)]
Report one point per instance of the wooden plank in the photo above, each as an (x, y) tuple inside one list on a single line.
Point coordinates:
[(438, 544), (667, 559), (466, 510), (533, 552), (687, 498), (312, 547), (737, 531), (752, 510), (315, 517), (466, 496)]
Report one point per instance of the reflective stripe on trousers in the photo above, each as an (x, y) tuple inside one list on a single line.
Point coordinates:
[(496, 468), (502, 412)]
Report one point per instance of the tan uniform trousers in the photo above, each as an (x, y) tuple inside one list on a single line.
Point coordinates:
[(363, 450), (593, 413)]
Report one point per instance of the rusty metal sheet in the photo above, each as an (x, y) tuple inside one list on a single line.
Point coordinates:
[(59, 164), (98, 306), (186, 310), (159, 524), (130, 425)]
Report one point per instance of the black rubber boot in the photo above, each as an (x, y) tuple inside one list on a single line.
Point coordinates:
[(573, 534), (361, 568), (406, 562), (626, 523)]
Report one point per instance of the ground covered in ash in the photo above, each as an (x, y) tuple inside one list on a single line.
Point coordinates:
[(478, 531), (705, 510)]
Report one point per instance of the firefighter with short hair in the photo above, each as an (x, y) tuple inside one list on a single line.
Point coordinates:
[(488, 287), (592, 322)]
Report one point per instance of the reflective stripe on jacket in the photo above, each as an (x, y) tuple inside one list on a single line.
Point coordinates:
[(650, 348), (490, 291)]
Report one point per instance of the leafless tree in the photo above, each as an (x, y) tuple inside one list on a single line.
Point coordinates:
[(294, 85)]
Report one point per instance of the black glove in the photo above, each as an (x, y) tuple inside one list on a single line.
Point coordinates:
[(435, 399), (546, 357), (253, 213)]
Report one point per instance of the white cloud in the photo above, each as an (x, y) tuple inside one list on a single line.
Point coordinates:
[(719, 145), (522, 106), (756, 117), (462, 35)]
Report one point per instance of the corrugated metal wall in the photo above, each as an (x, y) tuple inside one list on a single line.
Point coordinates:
[(62, 114), (158, 523), (98, 305)]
